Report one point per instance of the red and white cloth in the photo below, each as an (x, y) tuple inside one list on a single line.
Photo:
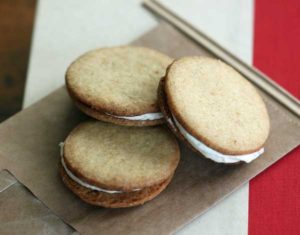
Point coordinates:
[(274, 195)]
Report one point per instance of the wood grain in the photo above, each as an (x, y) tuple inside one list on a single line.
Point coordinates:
[(16, 24)]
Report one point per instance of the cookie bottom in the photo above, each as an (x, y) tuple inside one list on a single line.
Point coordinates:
[(113, 200), (119, 121)]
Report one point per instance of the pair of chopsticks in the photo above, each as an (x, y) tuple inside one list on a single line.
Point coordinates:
[(252, 74)]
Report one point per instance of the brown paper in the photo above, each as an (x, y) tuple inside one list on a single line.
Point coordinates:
[(22, 213), (29, 149)]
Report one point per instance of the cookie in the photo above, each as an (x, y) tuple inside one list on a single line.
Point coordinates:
[(214, 109), (117, 166), (118, 84)]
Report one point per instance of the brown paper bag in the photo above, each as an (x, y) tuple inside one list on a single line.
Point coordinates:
[(29, 149)]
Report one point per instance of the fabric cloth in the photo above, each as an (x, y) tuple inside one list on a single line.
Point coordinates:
[(274, 195)]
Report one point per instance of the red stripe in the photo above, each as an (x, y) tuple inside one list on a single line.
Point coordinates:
[(274, 197)]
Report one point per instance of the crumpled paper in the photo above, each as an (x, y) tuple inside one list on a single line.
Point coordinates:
[(23, 213)]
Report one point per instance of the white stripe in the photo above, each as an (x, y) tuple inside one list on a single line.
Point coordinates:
[(143, 117)]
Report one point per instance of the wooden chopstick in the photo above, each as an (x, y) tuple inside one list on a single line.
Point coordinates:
[(252, 74)]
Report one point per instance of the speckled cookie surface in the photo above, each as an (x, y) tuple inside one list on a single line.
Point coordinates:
[(121, 158), (163, 104), (117, 200), (216, 105), (120, 80)]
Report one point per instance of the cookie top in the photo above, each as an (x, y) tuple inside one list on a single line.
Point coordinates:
[(120, 80), (217, 105), (121, 158)]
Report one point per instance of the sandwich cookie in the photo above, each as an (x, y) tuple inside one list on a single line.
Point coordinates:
[(214, 109), (115, 166), (119, 84)]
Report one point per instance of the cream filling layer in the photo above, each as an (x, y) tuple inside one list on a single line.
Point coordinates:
[(213, 154), (143, 117), (82, 183)]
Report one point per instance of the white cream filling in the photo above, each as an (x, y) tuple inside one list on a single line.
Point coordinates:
[(213, 154), (82, 183), (143, 117)]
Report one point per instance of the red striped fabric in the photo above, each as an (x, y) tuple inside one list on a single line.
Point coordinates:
[(274, 195)]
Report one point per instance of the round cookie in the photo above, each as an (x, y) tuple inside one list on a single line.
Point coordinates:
[(118, 84), (214, 109), (117, 166)]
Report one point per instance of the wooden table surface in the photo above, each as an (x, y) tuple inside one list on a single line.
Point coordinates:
[(16, 24)]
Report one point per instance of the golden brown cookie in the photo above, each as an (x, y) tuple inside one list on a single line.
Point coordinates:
[(216, 110), (118, 84), (117, 166)]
